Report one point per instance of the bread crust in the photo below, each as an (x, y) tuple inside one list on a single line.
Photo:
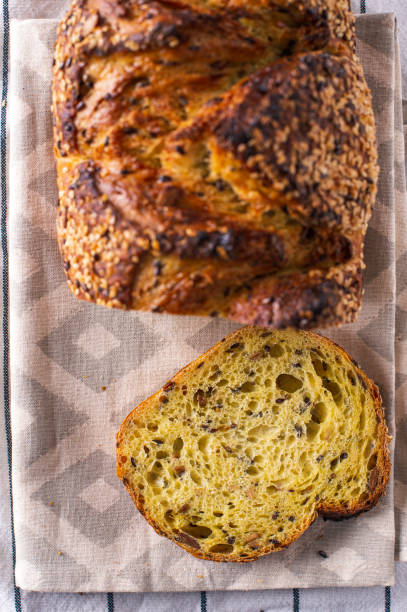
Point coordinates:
[(184, 141), (377, 485)]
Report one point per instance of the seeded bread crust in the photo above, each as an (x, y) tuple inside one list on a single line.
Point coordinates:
[(377, 477), (211, 152)]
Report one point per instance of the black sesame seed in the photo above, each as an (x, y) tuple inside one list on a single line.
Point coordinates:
[(158, 267), (220, 185), (133, 462), (199, 365), (159, 442), (80, 105), (291, 519), (343, 456), (319, 458), (233, 347), (275, 515), (129, 129), (180, 150), (323, 554)]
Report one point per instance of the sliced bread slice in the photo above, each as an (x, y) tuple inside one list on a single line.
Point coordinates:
[(243, 448)]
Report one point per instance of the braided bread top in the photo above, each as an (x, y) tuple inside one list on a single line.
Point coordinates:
[(214, 156)]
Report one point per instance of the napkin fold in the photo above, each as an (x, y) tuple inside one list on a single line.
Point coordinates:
[(77, 370)]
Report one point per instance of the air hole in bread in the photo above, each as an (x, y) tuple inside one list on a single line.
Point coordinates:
[(252, 470), (333, 388), (258, 459), (274, 350), (319, 412), (195, 477), (312, 429), (197, 531), (178, 445), (203, 443), (260, 431), (289, 383), (320, 367), (152, 477), (222, 383), (247, 387)]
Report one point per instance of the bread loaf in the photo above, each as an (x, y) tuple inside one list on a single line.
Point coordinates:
[(242, 449), (214, 157)]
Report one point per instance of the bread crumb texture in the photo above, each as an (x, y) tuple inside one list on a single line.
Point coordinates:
[(214, 157), (241, 450)]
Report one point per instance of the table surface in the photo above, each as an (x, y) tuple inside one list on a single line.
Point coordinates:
[(307, 600)]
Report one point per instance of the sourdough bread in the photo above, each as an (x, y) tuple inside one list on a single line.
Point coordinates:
[(242, 449)]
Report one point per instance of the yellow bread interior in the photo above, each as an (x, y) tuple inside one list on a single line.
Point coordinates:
[(237, 454)]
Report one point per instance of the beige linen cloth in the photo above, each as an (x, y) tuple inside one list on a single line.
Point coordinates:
[(78, 369)]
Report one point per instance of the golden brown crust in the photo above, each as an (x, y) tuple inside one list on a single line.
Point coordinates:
[(378, 477), (185, 143)]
